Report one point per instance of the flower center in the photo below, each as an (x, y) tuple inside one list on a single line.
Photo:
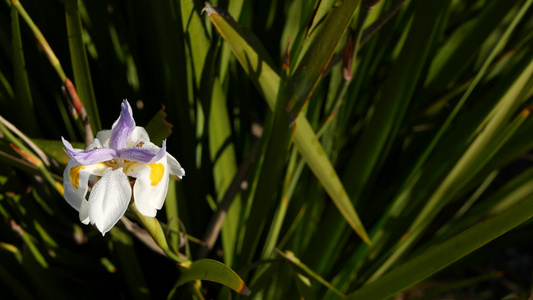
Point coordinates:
[(116, 163)]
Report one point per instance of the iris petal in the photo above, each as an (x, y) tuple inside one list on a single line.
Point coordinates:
[(96, 143), (76, 179), (104, 136), (151, 186), (75, 196), (89, 157), (122, 128), (138, 135), (175, 167), (109, 199), (147, 153)]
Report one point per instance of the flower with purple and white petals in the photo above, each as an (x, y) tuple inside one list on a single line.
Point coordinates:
[(113, 155)]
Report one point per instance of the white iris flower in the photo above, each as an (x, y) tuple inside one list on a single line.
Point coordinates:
[(115, 154)]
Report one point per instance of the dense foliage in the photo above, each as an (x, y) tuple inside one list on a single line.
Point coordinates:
[(333, 149)]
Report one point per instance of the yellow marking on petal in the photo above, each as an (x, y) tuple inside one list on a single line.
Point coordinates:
[(75, 175), (156, 173), (140, 144)]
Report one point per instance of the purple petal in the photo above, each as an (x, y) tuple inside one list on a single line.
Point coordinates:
[(122, 128), (144, 155), (88, 157)]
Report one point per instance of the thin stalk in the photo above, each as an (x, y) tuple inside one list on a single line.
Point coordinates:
[(40, 38), (22, 150)]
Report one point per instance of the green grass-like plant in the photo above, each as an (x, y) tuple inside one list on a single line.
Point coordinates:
[(333, 149)]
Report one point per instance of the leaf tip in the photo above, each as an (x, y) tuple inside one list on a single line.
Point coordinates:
[(214, 10), (367, 240), (244, 290), (208, 8)]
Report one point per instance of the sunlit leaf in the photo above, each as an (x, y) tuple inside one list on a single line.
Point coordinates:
[(212, 270)]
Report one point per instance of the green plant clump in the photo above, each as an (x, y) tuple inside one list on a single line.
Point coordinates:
[(334, 149)]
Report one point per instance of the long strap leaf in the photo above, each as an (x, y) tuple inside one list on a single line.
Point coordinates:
[(256, 62)]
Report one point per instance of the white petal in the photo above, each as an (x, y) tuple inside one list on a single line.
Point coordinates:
[(175, 167), (94, 144), (109, 199), (75, 184), (138, 135), (104, 136), (84, 212), (151, 186)]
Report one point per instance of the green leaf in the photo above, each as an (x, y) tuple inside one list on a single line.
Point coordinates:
[(156, 231), (80, 64), (440, 256), (464, 44), (235, 9), (172, 211), (250, 53), (317, 53), (288, 255), (212, 270), (276, 142), (474, 158), (256, 62), (394, 96), (23, 102), (196, 36), (222, 154)]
